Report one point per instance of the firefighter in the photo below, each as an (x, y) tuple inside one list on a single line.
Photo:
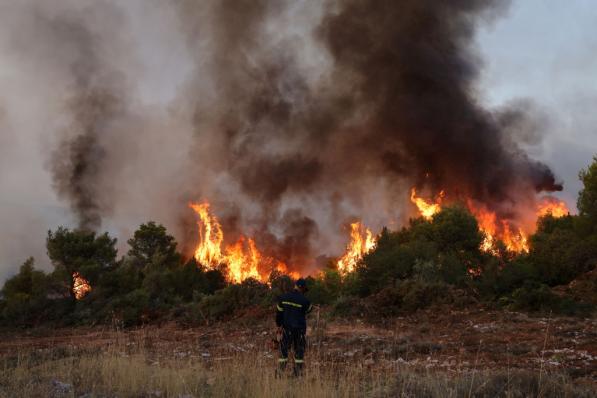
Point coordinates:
[(291, 311)]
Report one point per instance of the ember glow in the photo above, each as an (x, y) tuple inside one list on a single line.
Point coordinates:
[(80, 286), (242, 259), (361, 242)]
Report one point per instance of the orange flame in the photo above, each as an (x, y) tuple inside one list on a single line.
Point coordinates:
[(426, 208), (361, 243), (553, 206), (81, 286), (495, 230), (487, 225), (515, 241), (283, 268), (492, 228), (243, 259), (210, 236)]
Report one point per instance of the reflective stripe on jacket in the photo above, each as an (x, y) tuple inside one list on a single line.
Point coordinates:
[(291, 310)]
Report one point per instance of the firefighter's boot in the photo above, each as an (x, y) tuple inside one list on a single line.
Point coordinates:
[(281, 370), (298, 368)]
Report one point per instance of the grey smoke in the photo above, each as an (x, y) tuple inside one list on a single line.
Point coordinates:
[(293, 118)]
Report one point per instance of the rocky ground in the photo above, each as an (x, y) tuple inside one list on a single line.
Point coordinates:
[(442, 339)]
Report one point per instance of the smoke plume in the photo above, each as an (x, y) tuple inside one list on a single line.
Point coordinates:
[(392, 104), (292, 118), (94, 103)]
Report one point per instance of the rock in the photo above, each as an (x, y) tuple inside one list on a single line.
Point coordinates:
[(61, 388)]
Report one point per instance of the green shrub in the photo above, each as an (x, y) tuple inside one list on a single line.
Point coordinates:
[(348, 306), (417, 294), (80, 251), (325, 288), (587, 197), (499, 277), (227, 301), (536, 297), (409, 296), (25, 296), (132, 307)]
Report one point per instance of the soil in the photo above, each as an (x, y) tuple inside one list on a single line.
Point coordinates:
[(442, 339)]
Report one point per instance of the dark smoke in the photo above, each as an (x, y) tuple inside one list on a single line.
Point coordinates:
[(396, 106), (93, 103), (414, 70), (291, 117)]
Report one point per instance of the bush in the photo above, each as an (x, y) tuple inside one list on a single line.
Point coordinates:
[(326, 288), (130, 309), (536, 297), (587, 197), (227, 301), (559, 252), (392, 259), (450, 242), (409, 296), (150, 241), (498, 277), (348, 306), (25, 296), (80, 251)]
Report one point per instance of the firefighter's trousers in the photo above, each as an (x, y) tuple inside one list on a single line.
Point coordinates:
[(293, 338)]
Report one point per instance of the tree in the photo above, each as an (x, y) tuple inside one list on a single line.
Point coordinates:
[(151, 242), (25, 294), (81, 252), (587, 197), (393, 258), (456, 230), (560, 251)]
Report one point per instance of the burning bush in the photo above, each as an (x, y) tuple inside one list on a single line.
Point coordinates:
[(450, 240), (421, 264)]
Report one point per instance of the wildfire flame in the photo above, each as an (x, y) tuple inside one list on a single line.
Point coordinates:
[(487, 225), (426, 208), (242, 259), (361, 242), (210, 236), (556, 208), (515, 241), (495, 230), (81, 286), (514, 237)]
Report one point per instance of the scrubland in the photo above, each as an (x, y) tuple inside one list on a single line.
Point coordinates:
[(488, 357)]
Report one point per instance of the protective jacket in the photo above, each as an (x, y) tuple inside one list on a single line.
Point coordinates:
[(292, 309)]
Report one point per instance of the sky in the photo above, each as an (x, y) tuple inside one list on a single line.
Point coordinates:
[(546, 51), (542, 51)]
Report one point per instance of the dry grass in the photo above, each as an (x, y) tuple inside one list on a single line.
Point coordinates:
[(133, 365)]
